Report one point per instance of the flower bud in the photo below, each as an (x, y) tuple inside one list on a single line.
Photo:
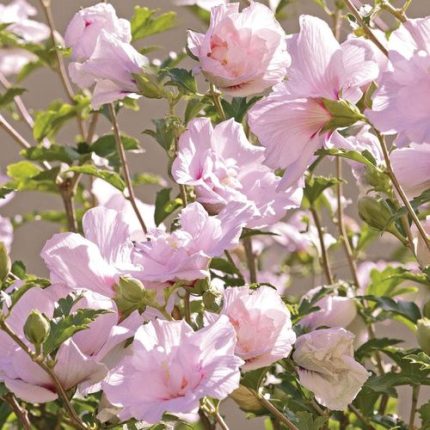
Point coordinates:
[(37, 328), (5, 263), (149, 86), (423, 334), (426, 310), (344, 114), (132, 295), (378, 215)]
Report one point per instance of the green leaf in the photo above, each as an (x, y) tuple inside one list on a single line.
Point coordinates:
[(363, 158), (238, 107), (194, 107), (306, 421), (421, 359), (22, 170), (409, 310), (9, 95), (65, 327), (223, 266), (112, 178), (390, 281), (105, 146), (183, 79), (374, 345), (166, 130), (164, 205), (55, 152), (315, 186), (145, 22), (48, 123), (148, 179), (424, 412)]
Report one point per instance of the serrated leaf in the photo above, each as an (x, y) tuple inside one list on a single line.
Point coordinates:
[(9, 95), (306, 421), (105, 146), (65, 327), (48, 123), (22, 170), (149, 179), (374, 345), (409, 310), (164, 205), (183, 79), (55, 152), (112, 178), (146, 23), (421, 359), (315, 186), (166, 130)]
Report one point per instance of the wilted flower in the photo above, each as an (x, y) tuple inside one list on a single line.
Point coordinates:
[(290, 121), (170, 367), (223, 166), (84, 29), (326, 366), (261, 311), (242, 53)]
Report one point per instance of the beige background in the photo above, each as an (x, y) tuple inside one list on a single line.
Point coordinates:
[(44, 86)]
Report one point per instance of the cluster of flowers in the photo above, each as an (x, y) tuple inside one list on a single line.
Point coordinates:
[(144, 361)]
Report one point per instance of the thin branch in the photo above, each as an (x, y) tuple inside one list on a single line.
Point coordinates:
[(46, 6), (220, 421), (365, 27), (187, 307), (13, 133), (125, 168), (343, 236), (38, 360), (414, 404), (397, 13), (20, 412), (361, 417), (216, 97), (400, 191), (277, 413), (324, 254), (250, 259)]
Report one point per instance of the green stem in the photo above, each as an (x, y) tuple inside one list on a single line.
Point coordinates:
[(324, 254), (125, 169), (36, 359), (400, 191), (277, 413), (414, 403), (250, 259), (365, 27), (216, 97)]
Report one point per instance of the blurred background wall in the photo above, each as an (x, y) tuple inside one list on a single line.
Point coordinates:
[(44, 86)]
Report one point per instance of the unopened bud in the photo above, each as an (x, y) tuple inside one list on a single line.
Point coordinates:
[(148, 85), (378, 215), (426, 310), (343, 113), (37, 328), (212, 299), (423, 334), (5, 263), (132, 295)]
